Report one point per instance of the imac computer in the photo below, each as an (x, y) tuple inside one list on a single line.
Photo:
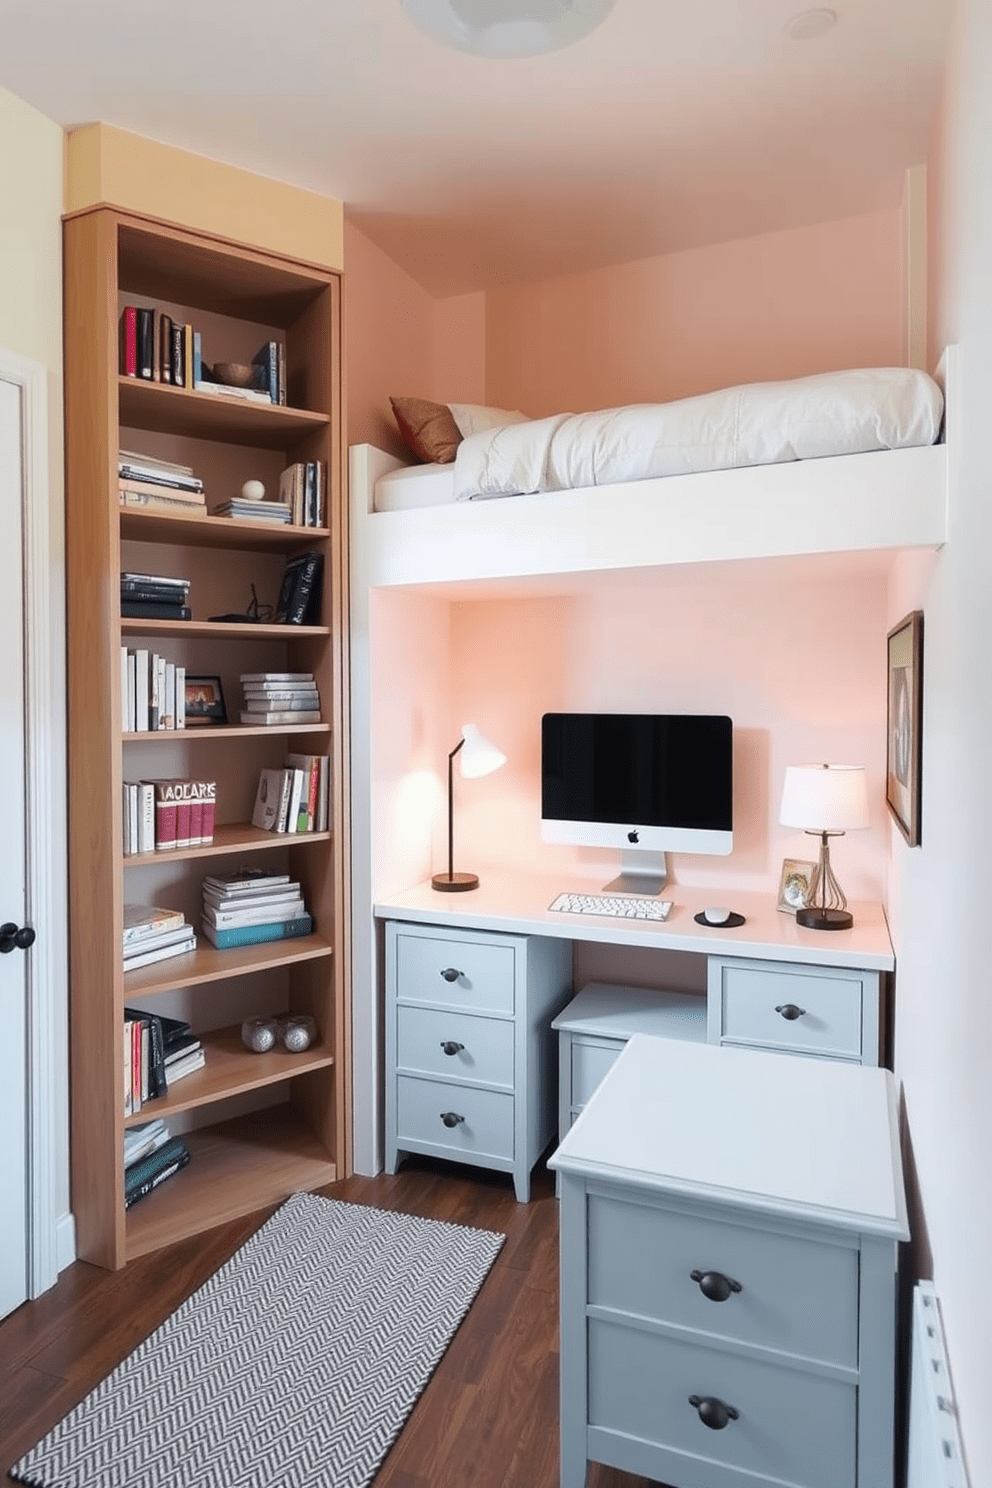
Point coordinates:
[(646, 783)]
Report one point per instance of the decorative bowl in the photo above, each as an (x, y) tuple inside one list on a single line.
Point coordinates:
[(235, 374)]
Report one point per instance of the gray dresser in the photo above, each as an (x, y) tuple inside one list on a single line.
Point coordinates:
[(470, 1053), (729, 1231)]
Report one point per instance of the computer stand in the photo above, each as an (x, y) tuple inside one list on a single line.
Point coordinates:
[(640, 873)]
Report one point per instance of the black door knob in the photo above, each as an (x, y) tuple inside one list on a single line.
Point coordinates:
[(451, 1118), (714, 1285), (450, 1047), (790, 1012), (450, 974), (11, 937), (712, 1412)]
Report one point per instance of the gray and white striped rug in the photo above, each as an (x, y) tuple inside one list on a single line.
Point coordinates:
[(297, 1363)]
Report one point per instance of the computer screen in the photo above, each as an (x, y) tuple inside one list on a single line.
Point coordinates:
[(660, 782)]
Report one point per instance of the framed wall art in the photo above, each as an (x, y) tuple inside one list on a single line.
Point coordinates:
[(904, 733)]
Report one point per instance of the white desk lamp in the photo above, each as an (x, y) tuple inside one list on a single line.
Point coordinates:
[(826, 801), (479, 756)]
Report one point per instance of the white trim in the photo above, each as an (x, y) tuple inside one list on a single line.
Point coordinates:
[(45, 897)]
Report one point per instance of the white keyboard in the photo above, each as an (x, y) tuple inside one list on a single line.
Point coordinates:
[(614, 906)]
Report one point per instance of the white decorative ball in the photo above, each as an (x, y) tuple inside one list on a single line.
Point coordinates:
[(253, 491)]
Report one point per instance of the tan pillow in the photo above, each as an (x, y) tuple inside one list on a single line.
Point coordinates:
[(428, 429)]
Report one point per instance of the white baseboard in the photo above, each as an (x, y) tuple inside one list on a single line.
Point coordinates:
[(65, 1241)]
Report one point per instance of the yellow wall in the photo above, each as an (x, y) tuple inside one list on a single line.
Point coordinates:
[(107, 166)]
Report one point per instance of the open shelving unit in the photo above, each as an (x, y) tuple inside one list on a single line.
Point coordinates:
[(258, 1126)]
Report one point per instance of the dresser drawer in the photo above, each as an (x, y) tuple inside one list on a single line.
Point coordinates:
[(592, 1059), (828, 1020), (797, 1295), (486, 1052), (483, 972), (792, 1428), (485, 1130)]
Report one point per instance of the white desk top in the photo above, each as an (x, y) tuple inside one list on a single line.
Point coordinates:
[(518, 902), (808, 1139)]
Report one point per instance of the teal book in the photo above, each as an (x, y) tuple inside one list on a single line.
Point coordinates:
[(148, 1172), (241, 935)]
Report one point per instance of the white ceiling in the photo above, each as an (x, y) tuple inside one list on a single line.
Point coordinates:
[(676, 123)]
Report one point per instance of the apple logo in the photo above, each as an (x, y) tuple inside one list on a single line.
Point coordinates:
[(632, 836)]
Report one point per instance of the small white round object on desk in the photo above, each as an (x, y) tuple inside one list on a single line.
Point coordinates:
[(253, 491), (716, 915)]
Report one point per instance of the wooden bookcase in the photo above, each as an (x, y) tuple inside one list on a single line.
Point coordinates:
[(258, 1126)]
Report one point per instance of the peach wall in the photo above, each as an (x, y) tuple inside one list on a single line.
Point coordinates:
[(742, 639), (812, 299)]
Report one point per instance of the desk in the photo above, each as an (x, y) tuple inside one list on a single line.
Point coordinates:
[(771, 984)]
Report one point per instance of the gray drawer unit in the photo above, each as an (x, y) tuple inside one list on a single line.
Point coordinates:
[(831, 1012), (470, 1066)]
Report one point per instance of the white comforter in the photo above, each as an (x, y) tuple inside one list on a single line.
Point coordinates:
[(834, 413)]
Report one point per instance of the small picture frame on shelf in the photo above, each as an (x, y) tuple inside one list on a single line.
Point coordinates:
[(904, 730), (204, 702), (796, 885)]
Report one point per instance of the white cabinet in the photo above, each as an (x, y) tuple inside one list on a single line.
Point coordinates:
[(470, 1055), (729, 1232)]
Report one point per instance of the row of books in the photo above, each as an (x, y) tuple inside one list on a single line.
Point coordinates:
[(151, 1156), (153, 692), (275, 698), (295, 798), (250, 906), (159, 485), (303, 489), (154, 597), (163, 815), (158, 1051), (157, 348)]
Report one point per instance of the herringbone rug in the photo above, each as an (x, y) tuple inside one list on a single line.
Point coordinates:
[(294, 1366)]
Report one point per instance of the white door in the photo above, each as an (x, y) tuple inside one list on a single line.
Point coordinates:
[(14, 963)]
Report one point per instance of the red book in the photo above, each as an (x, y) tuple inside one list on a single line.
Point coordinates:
[(183, 809), (165, 814), (195, 820), (209, 806), (129, 341)]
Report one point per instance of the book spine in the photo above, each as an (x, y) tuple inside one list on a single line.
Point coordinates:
[(127, 1067), (166, 824), (165, 349), (178, 369), (282, 373), (156, 346), (144, 338), (183, 827), (125, 714), (135, 1066), (195, 821), (286, 791), (141, 690), (197, 357), (169, 719), (180, 697), (129, 341), (188, 356), (258, 934), (146, 817), (154, 700)]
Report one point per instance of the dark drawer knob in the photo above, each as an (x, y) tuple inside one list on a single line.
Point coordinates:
[(451, 1118), (715, 1285), (11, 937), (450, 974), (790, 1012), (450, 1047), (712, 1412)]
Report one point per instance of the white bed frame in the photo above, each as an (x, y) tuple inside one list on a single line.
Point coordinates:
[(888, 500)]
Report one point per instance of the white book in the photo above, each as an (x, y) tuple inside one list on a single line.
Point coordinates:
[(262, 914), (154, 942), (124, 709), (170, 695), (149, 1144), (284, 703), (162, 953), (250, 395), (295, 793), (323, 792), (180, 697), (249, 901), (186, 1066), (154, 693), (141, 690), (277, 676), (153, 462), (244, 883), (303, 715), (132, 812), (126, 820), (131, 704), (268, 800), (148, 919)]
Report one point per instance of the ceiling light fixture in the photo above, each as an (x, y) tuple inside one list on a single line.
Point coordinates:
[(507, 28), (809, 24)]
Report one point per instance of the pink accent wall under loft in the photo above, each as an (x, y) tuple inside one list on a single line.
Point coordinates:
[(401, 343), (791, 650), (785, 304)]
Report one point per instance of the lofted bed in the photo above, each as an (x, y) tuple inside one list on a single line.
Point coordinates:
[(880, 502)]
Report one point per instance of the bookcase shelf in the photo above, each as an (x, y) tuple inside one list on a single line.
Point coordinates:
[(239, 298)]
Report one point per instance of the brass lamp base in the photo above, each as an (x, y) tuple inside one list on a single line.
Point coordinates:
[(454, 883), (815, 918)]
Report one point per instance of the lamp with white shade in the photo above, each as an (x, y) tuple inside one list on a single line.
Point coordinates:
[(826, 801), (479, 756)]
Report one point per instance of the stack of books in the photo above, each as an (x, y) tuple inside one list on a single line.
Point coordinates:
[(158, 1051), (252, 906), (277, 698), (294, 799), (153, 934), (254, 511), (303, 488), (181, 1049), (154, 597), (153, 690), (160, 485), (153, 1157)]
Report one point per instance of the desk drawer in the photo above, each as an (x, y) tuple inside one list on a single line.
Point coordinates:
[(485, 1130), (797, 1295), (830, 1017), (592, 1059), (484, 972), (486, 1052), (792, 1428)]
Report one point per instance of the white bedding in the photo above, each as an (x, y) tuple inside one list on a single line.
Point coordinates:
[(833, 413)]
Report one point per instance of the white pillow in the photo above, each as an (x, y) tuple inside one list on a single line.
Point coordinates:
[(473, 418)]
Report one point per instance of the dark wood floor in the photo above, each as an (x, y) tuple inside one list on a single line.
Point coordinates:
[(489, 1416)]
